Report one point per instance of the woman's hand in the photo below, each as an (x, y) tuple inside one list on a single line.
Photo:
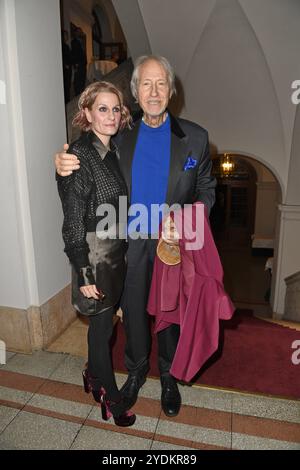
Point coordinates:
[(92, 291), (66, 163)]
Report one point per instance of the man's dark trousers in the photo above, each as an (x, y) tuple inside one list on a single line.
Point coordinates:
[(140, 257)]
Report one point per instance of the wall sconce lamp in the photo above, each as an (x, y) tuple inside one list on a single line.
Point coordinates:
[(227, 165)]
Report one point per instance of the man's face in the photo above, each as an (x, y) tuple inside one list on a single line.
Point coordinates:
[(153, 88)]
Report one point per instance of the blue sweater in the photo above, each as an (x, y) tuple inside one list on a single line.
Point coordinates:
[(150, 172)]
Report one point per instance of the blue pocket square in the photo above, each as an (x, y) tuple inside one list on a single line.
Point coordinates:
[(190, 163)]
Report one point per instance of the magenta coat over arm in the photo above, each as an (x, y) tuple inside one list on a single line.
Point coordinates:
[(192, 295)]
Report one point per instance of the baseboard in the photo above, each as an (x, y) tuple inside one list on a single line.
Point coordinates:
[(29, 330)]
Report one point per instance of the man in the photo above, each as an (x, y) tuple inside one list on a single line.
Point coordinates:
[(67, 65), (79, 60), (163, 160)]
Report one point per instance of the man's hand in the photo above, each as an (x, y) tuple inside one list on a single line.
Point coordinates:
[(66, 163)]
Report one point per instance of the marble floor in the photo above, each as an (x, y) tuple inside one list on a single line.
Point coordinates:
[(43, 406)]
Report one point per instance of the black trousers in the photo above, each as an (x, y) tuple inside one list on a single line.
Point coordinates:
[(99, 357), (140, 258)]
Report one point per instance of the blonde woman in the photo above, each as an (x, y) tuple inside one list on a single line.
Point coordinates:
[(98, 263)]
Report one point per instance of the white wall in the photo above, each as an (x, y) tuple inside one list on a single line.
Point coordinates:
[(40, 66), (235, 98), (268, 196), (174, 29), (287, 254), (12, 282), (132, 22), (267, 200), (275, 24), (32, 241), (293, 192)]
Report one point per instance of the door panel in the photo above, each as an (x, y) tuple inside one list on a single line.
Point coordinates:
[(232, 218)]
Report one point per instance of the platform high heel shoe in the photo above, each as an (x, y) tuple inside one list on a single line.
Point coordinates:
[(117, 410)]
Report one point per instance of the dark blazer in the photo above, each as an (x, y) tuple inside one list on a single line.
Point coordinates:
[(185, 185)]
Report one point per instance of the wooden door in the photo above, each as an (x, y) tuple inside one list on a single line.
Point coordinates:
[(232, 217)]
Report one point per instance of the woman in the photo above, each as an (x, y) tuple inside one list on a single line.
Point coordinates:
[(98, 262)]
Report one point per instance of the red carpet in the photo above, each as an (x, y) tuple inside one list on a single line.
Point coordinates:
[(253, 356)]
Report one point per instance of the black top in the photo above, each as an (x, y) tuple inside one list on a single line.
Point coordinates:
[(98, 181)]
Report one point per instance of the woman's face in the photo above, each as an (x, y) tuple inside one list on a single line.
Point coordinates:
[(104, 116)]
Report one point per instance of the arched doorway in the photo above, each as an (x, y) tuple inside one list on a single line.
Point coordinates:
[(243, 222)]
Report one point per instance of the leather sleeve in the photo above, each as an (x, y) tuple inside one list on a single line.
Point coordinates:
[(205, 183)]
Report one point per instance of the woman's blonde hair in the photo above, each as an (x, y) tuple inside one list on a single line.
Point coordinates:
[(87, 99)]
